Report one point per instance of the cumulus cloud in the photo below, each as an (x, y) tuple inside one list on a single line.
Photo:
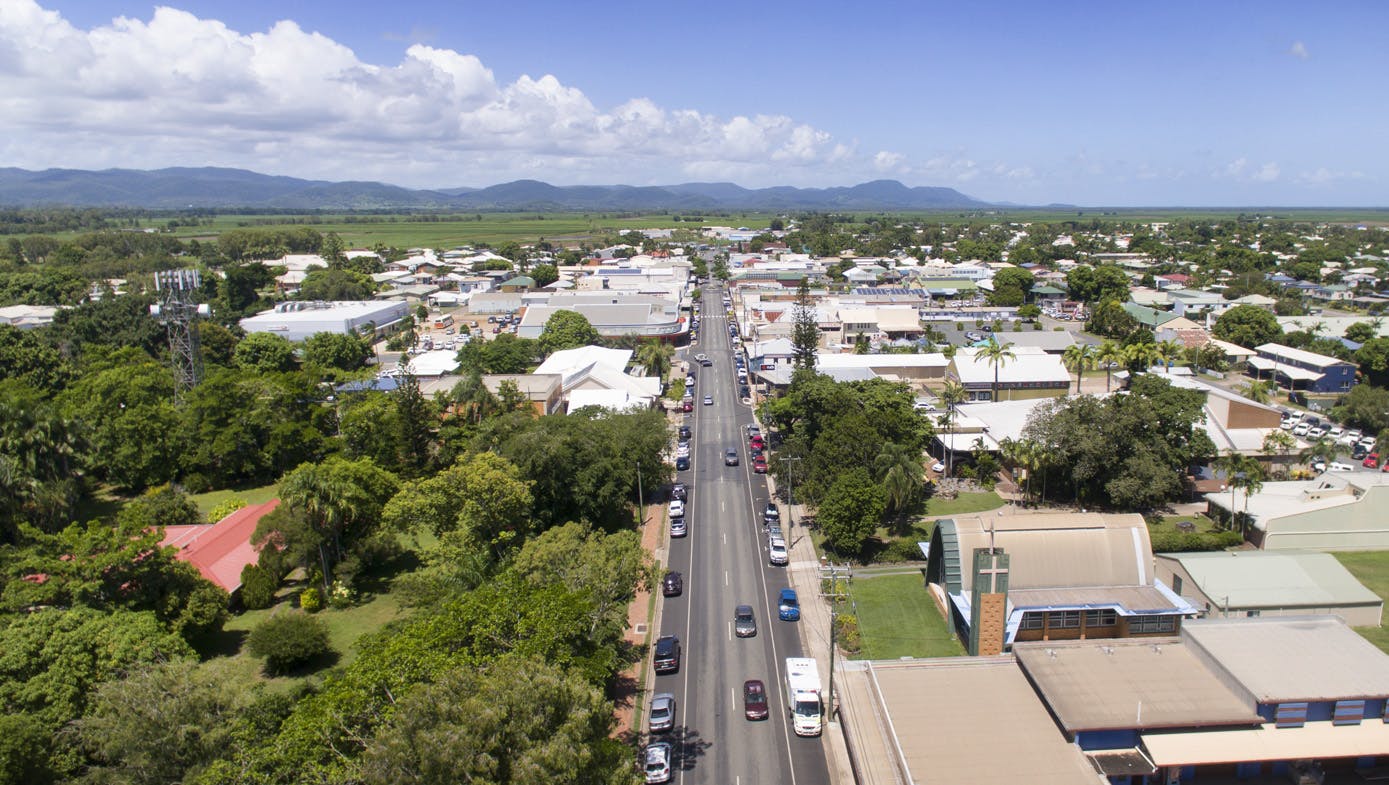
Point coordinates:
[(178, 89), (885, 161), (1298, 50)]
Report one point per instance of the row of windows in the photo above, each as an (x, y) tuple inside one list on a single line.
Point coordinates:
[(1064, 620)]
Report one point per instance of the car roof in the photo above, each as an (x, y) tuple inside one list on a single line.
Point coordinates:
[(788, 593), (657, 752), (754, 684), (662, 697), (743, 609), (778, 542)]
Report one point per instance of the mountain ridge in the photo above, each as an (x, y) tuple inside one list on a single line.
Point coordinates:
[(211, 187)]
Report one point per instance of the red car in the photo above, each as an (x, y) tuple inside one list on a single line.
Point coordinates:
[(754, 700), (759, 465), (756, 441), (1371, 461), (688, 406)]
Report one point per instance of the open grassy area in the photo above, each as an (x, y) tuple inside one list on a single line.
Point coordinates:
[(1372, 569), (897, 618), (253, 495), (979, 501)]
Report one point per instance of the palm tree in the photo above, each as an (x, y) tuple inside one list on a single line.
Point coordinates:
[(1140, 356), (1259, 392), (329, 506), (902, 474), (655, 355), (1110, 354), (1279, 441), (1078, 357), (951, 394), (1170, 351), (996, 354)]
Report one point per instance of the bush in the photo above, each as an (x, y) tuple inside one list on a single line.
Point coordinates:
[(288, 640), (224, 509), (311, 599), (849, 639), (1168, 541), (257, 587), (899, 550)]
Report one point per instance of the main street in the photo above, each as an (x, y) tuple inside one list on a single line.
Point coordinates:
[(724, 561)]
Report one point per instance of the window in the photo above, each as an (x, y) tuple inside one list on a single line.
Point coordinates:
[(1290, 715), (1142, 624), (1348, 712), (1065, 620), (1103, 617), (1177, 584), (1031, 621)]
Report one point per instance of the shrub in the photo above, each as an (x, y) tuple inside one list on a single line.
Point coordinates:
[(849, 639), (311, 599), (902, 549), (224, 509), (288, 640), (257, 587), (1169, 541)]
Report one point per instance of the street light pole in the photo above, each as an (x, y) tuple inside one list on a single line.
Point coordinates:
[(790, 489), (641, 503)]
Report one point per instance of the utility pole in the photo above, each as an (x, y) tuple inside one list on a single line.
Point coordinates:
[(830, 576), (789, 463), (641, 504)]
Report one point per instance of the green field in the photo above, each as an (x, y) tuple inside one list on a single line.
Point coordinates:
[(252, 496), (963, 504), (898, 618), (1372, 569), (418, 230)]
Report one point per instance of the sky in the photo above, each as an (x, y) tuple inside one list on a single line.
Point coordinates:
[(1144, 103)]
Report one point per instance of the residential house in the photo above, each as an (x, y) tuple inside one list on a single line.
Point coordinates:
[(1299, 369), (221, 550)]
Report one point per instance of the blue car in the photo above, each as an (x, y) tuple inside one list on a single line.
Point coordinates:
[(788, 607)]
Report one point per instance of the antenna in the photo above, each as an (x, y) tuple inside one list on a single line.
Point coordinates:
[(177, 311)]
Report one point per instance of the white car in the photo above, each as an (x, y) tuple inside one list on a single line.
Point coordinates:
[(1288, 424), (1368, 442), (656, 762), (938, 467), (1337, 466), (1336, 432), (1301, 429), (776, 552), (1314, 433), (677, 508)]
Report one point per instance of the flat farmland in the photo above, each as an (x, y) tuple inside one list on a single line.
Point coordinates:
[(404, 231)]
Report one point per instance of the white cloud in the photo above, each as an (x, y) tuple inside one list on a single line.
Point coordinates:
[(1298, 50), (885, 161), (177, 89), (1266, 174)]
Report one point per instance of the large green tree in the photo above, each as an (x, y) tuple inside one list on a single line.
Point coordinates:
[(264, 352), (1247, 325), (341, 351), (805, 331), (567, 329), (850, 511), (1012, 285), (1097, 284)]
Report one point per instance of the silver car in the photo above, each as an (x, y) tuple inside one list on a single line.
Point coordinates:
[(662, 713), (744, 623)]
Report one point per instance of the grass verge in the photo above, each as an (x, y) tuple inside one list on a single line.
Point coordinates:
[(1372, 569), (898, 618)]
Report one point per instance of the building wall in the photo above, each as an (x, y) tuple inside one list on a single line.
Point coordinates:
[(1122, 628), (1360, 526), (1172, 573)]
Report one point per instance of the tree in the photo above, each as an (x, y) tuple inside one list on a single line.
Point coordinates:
[(567, 330), (1170, 351), (32, 362), (850, 510), (1097, 284), (655, 355), (1078, 357), (1109, 355), (1247, 325), (520, 720), (339, 500), (414, 417), (481, 499), (1365, 407), (1140, 356), (288, 640), (1111, 320), (544, 274), (902, 475), (1373, 357), (342, 351), (952, 394), (504, 354), (264, 352), (1011, 285), (24, 751), (336, 285), (1259, 391), (608, 568), (40, 462), (1360, 332), (805, 334), (997, 355)]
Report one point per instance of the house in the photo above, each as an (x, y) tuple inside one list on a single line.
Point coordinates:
[(915, 368), (981, 425), (1048, 576), (1299, 369), (1030, 373), (1269, 583), (543, 390), (27, 317), (1194, 304), (612, 314), (594, 376), (221, 550), (520, 283), (1337, 511), (1148, 317)]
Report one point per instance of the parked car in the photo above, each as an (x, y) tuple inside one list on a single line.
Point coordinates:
[(677, 508), (1371, 461), (656, 763), (759, 464), (687, 406), (1337, 466), (662, 717), (685, 433), (682, 463), (678, 491), (938, 467), (744, 622), (754, 699), (730, 457), (788, 606), (667, 657), (756, 441), (1301, 429), (678, 527), (1358, 452), (770, 513), (672, 585), (776, 551), (1315, 432)]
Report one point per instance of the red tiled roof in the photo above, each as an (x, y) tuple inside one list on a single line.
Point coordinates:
[(220, 550)]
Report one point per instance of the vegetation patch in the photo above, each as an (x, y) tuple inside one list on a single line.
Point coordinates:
[(1183, 533), (1372, 569), (898, 618)]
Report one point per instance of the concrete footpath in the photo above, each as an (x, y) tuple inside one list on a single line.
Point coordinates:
[(854, 745)]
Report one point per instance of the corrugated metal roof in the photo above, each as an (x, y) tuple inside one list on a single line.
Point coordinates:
[(1313, 741), (1274, 579), (1135, 599), (1130, 683), (1064, 550), (1293, 658), (989, 707)]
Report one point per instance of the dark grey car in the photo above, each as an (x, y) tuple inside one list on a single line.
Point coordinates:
[(744, 623)]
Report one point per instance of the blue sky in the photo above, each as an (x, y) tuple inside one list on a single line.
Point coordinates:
[(1121, 104)]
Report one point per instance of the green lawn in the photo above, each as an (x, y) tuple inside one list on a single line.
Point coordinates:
[(964, 503), (1169, 523), (1372, 569), (898, 618), (254, 495)]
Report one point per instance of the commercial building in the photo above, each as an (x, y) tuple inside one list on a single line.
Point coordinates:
[(298, 320), (1029, 373), (1299, 369), (1269, 583), (1337, 511)]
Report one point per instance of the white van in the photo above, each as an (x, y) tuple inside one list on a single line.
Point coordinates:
[(776, 552)]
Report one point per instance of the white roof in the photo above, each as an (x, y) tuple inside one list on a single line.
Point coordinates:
[(1290, 371), (825, 361), (1027, 365), (613, 400), (435, 363), (1294, 497), (993, 421), (566, 360), (1299, 355)]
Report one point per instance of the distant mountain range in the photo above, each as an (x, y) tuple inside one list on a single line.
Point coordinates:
[(211, 187)]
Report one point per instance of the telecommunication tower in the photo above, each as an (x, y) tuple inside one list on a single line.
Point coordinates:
[(177, 311)]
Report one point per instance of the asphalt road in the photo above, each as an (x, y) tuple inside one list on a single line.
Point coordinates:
[(724, 561)]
